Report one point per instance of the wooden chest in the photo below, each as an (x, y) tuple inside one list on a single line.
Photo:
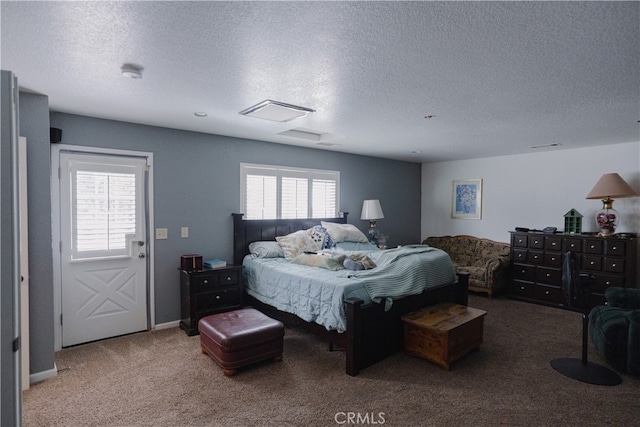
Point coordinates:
[(443, 333)]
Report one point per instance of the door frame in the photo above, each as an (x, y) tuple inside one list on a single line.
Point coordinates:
[(55, 229)]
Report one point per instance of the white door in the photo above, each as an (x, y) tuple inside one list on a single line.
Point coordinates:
[(103, 246)]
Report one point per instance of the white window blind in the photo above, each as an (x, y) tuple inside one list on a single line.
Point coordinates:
[(276, 192), (104, 211)]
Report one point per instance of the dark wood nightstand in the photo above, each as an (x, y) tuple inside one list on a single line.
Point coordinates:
[(209, 291)]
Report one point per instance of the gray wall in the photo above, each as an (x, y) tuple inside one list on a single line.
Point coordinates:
[(34, 125), (197, 185)]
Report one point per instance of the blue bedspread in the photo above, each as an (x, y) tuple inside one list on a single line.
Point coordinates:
[(317, 295)]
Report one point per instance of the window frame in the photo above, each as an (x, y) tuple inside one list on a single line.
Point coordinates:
[(281, 172)]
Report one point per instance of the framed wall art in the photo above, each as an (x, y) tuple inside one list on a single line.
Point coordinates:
[(467, 199)]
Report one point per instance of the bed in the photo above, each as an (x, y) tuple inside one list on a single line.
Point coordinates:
[(367, 329)]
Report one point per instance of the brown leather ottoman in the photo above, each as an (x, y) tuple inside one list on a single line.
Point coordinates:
[(240, 337)]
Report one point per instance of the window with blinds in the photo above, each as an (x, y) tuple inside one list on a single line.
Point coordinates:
[(269, 192), (104, 212)]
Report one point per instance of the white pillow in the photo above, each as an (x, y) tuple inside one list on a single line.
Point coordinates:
[(344, 232), (296, 243), (268, 249)]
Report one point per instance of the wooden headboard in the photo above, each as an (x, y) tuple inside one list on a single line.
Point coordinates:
[(246, 231)]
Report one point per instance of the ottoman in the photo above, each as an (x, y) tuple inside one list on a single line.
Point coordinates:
[(238, 338)]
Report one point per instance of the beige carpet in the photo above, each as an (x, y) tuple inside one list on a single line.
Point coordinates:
[(161, 379)]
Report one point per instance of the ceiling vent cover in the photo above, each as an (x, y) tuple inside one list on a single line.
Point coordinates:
[(276, 111)]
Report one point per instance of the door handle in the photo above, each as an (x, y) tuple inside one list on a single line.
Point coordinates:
[(141, 255), (139, 242)]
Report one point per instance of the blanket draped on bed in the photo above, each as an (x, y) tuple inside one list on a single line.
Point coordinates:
[(403, 271)]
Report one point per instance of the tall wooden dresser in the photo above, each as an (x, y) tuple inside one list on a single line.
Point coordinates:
[(536, 264)]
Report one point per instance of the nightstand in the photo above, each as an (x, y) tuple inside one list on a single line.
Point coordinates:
[(208, 291)]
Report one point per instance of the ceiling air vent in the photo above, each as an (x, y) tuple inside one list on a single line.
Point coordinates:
[(303, 133), (276, 111)]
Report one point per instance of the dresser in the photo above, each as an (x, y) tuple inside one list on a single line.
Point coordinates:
[(209, 291), (536, 264)]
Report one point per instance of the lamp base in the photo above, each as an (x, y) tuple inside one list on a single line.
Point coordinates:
[(607, 218), (590, 373)]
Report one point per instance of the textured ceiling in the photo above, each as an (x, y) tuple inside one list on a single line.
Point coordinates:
[(498, 77)]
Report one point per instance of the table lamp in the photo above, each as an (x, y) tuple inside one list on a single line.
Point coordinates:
[(609, 185), (371, 211)]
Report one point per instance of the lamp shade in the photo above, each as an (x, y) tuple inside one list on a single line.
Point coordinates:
[(371, 209), (611, 185)]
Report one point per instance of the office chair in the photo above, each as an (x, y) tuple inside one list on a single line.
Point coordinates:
[(576, 287)]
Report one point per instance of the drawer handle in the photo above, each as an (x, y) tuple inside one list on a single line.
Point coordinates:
[(522, 288), (614, 248), (607, 283), (553, 258), (546, 292), (613, 265), (524, 271), (535, 242), (593, 246), (592, 262), (519, 240), (548, 274), (229, 278), (573, 245), (217, 296), (535, 257), (553, 244), (205, 281)]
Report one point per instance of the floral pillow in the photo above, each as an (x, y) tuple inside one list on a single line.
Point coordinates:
[(296, 243)]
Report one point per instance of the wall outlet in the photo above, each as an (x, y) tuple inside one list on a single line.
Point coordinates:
[(184, 232), (162, 233)]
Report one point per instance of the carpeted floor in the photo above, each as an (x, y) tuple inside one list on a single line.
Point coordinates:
[(161, 379)]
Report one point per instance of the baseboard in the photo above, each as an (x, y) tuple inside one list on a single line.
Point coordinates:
[(43, 375), (167, 325)]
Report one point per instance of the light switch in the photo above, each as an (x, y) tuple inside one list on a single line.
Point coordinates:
[(184, 232), (162, 233)]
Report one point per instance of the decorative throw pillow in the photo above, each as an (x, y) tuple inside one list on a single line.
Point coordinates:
[(296, 243), (268, 249), (320, 235), (344, 232)]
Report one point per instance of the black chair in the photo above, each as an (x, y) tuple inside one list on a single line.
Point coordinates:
[(576, 287)]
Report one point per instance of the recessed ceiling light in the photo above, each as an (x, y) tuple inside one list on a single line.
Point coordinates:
[(132, 71), (276, 111), (200, 114), (416, 152)]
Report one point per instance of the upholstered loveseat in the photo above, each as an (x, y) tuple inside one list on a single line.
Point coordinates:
[(486, 261)]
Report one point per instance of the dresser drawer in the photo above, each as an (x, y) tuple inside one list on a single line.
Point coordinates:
[(591, 262), (218, 300), (604, 281), (614, 265), (520, 241), (573, 244), (593, 246), (536, 242), (519, 255), (523, 272), (535, 257), (522, 289), (548, 276), (553, 243), (551, 294), (553, 258), (615, 248)]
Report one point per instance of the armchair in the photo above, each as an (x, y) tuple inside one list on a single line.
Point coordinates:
[(615, 329)]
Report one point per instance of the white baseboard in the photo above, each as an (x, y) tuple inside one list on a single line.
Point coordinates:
[(167, 325), (44, 375)]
